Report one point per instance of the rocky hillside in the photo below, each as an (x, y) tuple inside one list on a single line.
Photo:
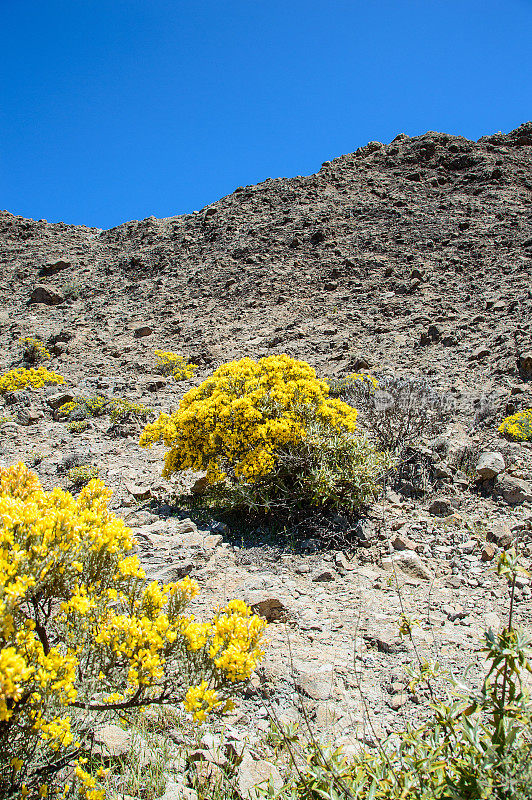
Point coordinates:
[(414, 255), (410, 257)]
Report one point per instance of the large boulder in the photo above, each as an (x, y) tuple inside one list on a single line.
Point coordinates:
[(53, 267), (489, 465), (514, 490), (48, 295)]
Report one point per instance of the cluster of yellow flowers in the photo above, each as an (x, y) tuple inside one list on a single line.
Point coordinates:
[(34, 350), (236, 421), (169, 363), (518, 426), (36, 378), (363, 377), (81, 631)]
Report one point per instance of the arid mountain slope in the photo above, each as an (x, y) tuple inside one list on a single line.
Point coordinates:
[(414, 257)]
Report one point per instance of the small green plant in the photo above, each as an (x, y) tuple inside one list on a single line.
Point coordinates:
[(80, 476), (84, 407), (169, 363), (78, 426), (518, 426), (33, 350), (4, 419), (352, 384), (124, 410), (72, 290), (33, 377)]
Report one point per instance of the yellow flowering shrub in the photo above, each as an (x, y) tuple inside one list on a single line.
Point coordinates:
[(35, 377), (518, 426), (118, 409), (261, 425), (83, 634), (33, 350), (169, 363)]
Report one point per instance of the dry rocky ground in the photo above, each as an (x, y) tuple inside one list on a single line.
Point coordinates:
[(411, 258)]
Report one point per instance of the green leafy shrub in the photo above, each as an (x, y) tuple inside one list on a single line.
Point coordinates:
[(84, 407), (268, 434), (36, 378), (326, 470), (73, 289), (83, 637), (518, 426), (169, 363), (33, 350)]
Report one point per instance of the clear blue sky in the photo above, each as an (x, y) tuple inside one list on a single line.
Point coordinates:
[(118, 109)]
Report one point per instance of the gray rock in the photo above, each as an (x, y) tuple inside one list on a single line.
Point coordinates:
[(323, 575), (185, 526), (441, 507), (342, 563), (170, 573), (58, 399), (178, 791), (401, 542), (489, 465), (500, 534), (397, 701), (143, 330), (53, 267), (139, 492), (468, 547), (30, 416), (113, 740), (492, 620), (48, 295), (514, 490), (252, 773), (268, 606), (525, 365), (442, 471), (385, 641), (479, 353), (411, 564)]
